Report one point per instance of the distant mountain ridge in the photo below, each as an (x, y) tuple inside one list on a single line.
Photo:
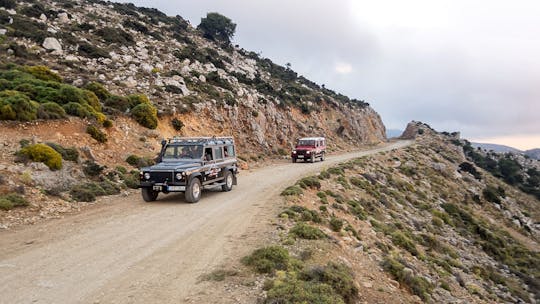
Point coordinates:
[(532, 153)]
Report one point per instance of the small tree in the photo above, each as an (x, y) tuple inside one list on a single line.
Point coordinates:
[(217, 27)]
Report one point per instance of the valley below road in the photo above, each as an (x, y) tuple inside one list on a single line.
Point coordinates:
[(123, 250)]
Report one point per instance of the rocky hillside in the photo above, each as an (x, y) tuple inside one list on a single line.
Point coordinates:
[(422, 224), (226, 89), (89, 88)]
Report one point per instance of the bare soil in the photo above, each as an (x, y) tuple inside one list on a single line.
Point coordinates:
[(124, 250)]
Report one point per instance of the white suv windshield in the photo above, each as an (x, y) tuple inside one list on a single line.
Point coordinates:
[(183, 151)]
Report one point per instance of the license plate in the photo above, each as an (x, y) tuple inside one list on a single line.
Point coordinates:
[(300, 156), (176, 188), (157, 188)]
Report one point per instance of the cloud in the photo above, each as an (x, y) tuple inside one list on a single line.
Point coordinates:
[(343, 68)]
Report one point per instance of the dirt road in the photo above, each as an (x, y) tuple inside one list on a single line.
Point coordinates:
[(128, 251)]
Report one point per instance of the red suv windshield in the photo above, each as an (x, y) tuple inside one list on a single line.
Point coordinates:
[(306, 143)]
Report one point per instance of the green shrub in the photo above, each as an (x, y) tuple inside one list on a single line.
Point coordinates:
[(91, 51), (401, 240), (70, 154), (8, 4), (107, 123), (335, 171), (310, 182), (139, 162), (99, 90), (336, 224), (42, 153), (289, 289), (17, 106), (92, 169), (132, 179), (338, 276), (96, 134), (43, 73), (115, 35), (146, 115), (305, 231), (268, 259), (491, 194), (292, 190), (419, 286), (177, 124), (12, 200), (51, 110)]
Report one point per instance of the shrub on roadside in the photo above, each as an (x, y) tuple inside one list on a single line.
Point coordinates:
[(12, 200), (268, 259), (139, 162), (292, 190), (177, 124), (70, 154), (42, 153), (51, 110), (146, 115), (96, 134), (305, 231)]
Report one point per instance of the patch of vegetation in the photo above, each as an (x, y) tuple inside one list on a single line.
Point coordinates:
[(70, 154), (401, 240), (177, 124), (309, 182), (217, 27), (305, 231), (219, 275), (92, 169), (418, 285), (92, 51), (292, 190), (87, 192), (492, 194), (96, 134), (115, 35), (336, 224), (269, 259), (12, 200), (41, 153), (146, 115), (138, 161)]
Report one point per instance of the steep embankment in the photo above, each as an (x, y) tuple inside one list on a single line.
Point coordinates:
[(421, 220)]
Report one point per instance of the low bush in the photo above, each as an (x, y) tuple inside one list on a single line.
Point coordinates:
[(115, 35), (12, 200), (51, 110), (70, 154), (287, 288), (268, 259), (401, 240), (419, 286), (146, 115), (91, 51), (336, 224), (177, 124), (15, 105), (492, 194), (305, 231), (339, 276), (43, 73), (42, 153), (98, 89), (8, 4), (139, 162), (96, 134), (292, 190), (310, 182), (87, 192), (92, 169)]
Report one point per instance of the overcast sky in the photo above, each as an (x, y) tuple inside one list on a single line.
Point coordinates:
[(469, 66)]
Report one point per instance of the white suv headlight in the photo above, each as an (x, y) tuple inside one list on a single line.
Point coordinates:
[(146, 175), (179, 176)]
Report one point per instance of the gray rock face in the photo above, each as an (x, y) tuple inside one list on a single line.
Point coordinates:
[(52, 44)]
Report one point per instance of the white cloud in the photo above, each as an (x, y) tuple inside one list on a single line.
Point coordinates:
[(343, 68)]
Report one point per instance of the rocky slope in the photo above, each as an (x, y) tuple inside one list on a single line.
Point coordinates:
[(420, 224), (139, 50), (54, 51)]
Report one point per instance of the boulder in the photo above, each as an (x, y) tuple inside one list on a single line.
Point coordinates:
[(52, 44)]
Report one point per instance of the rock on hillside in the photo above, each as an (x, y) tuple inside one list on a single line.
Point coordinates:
[(213, 89), (417, 224)]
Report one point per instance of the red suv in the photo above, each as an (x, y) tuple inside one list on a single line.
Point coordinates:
[(309, 148)]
